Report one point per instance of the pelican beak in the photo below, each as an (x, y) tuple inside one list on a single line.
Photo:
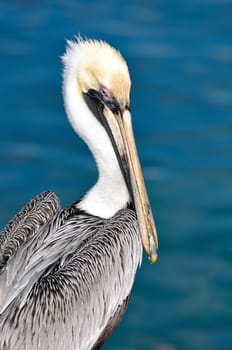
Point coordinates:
[(122, 133)]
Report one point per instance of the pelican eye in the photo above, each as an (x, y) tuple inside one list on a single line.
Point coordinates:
[(105, 93), (108, 99)]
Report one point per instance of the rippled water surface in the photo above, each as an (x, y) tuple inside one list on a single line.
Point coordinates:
[(180, 59)]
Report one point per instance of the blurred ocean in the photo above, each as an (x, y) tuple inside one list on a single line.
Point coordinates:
[(180, 58)]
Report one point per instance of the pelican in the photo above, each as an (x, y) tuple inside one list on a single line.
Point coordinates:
[(66, 275)]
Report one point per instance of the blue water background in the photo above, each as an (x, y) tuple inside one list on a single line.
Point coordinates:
[(180, 58)]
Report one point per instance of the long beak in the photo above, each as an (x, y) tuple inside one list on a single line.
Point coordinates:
[(121, 129)]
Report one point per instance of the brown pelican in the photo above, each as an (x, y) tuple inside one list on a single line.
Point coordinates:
[(66, 274)]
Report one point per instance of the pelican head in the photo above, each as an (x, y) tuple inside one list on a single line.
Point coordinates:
[(96, 89)]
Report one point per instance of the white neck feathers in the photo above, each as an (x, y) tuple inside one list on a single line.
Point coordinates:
[(110, 193)]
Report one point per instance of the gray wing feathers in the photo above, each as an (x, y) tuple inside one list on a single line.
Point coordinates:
[(70, 289), (26, 223), (22, 235), (51, 244)]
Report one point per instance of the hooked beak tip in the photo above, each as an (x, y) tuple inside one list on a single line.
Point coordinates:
[(153, 254), (153, 258)]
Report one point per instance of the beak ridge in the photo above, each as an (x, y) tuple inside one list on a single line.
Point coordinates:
[(121, 128)]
